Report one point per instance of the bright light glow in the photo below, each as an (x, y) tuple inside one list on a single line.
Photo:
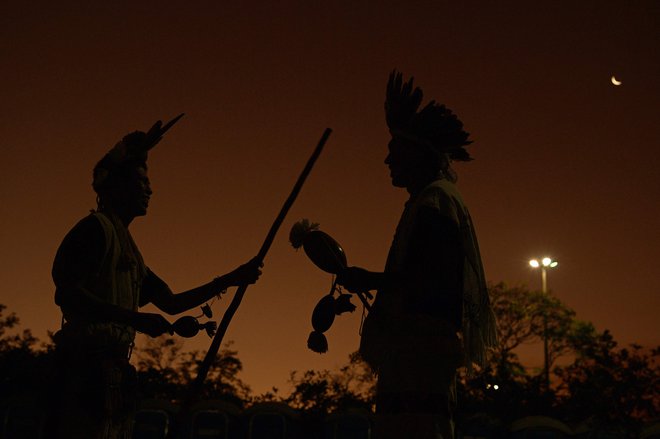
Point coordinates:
[(496, 387), (534, 263), (488, 386), (546, 261), (615, 81), (554, 264)]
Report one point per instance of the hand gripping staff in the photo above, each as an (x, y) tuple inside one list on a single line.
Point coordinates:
[(236, 301)]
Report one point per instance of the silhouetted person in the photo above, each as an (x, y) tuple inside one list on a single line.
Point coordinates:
[(431, 313), (101, 280)]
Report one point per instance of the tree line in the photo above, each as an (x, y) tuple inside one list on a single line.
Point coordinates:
[(598, 381)]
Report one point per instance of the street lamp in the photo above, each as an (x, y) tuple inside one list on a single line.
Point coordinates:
[(544, 265)]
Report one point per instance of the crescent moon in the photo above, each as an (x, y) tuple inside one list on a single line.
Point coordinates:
[(615, 82)]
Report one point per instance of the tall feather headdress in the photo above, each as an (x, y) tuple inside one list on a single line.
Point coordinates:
[(132, 148), (435, 125)]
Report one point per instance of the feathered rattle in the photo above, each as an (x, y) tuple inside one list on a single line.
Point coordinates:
[(329, 256)]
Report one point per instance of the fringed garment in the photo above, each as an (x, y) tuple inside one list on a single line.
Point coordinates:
[(415, 337)]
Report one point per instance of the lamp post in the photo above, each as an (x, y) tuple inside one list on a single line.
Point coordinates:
[(545, 264)]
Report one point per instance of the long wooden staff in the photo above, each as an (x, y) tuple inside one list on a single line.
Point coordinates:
[(236, 301)]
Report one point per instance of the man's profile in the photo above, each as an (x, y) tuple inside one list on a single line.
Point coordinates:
[(101, 282)]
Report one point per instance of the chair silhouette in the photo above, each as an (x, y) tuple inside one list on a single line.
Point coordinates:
[(539, 427), (651, 431), (590, 430), (348, 425), (214, 419), (22, 422), (152, 420), (480, 426), (272, 421), (22, 417)]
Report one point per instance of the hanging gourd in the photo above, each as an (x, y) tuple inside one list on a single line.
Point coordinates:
[(329, 256)]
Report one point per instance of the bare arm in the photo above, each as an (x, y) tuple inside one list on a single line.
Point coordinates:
[(78, 300), (157, 291), (358, 280)]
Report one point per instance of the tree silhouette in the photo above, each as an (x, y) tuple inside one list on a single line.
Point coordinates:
[(603, 383), (23, 367), (322, 392), (166, 372), (505, 388), (520, 320), (611, 386)]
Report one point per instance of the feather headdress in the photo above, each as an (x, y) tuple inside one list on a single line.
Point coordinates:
[(434, 125), (132, 148)]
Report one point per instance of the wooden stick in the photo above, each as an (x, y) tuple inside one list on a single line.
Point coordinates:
[(236, 301)]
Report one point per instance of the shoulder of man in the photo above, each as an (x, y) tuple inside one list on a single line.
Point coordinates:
[(88, 230), (84, 245), (443, 197)]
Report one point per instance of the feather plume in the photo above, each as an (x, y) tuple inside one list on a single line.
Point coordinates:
[(317, 342), (435, 124), (299, 230), (401, 101)]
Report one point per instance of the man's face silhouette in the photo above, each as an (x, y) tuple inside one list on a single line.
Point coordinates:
[(405, 160), (136, 192)]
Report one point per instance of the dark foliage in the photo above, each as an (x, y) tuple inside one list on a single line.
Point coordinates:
[(611, 388), (24, 366), (165, 372)]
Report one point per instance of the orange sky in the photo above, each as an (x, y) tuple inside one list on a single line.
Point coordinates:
[(566, 163)]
